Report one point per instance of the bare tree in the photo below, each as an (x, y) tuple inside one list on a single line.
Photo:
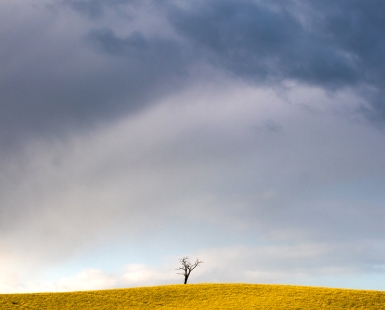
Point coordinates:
[(187, 267)]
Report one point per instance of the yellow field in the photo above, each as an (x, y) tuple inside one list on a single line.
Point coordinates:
[(202, 296)]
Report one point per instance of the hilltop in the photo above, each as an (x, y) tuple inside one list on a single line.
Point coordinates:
[(201, 296)]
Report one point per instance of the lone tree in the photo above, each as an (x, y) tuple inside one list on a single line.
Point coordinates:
[(187, 267)]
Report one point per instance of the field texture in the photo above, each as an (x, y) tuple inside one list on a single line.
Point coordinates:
[(201, 296)]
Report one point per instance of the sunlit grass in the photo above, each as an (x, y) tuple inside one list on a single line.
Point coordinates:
[(202, 296)]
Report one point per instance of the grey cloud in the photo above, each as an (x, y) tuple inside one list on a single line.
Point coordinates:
[(290, 263), (95, 9), (148, 54), (357, 27), (255, 40), (330, 44), (151, 65), (229, 162), (53, 78), (228, 175)]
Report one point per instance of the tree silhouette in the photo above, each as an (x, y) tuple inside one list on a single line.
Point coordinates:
[(187, 267)]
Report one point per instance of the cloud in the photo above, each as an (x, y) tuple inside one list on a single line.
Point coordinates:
[(277, 262), (148, 59), (237, 122), (132, 275), (331, 45), (61, 71), (198, 160), (263, 42), (270, 264), (96, 9)]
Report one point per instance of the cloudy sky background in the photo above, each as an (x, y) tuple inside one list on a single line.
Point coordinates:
[(247, 133)]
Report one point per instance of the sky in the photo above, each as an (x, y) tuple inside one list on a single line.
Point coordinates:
[(247, 133)]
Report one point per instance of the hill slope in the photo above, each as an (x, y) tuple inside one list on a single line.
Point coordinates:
[(202, 296)]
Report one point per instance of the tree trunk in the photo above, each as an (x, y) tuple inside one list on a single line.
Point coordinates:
[(185, 279)]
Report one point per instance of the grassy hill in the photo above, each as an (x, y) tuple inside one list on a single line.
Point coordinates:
[(202, 296)]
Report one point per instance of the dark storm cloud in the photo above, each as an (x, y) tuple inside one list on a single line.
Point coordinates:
[(95, 8), (156, 53), (260, 41), (54, 76), (325, 43), (150, 65), (329, 44)]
